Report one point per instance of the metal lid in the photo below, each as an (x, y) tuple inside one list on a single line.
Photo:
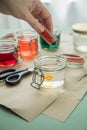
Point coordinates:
[(80, 28)]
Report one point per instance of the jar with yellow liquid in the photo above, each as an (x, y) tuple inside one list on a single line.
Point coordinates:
[(48, 71)]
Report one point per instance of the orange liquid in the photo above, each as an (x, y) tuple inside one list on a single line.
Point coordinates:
[(28, 47)]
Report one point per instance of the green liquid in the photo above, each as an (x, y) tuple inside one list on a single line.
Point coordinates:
[(46, 46)]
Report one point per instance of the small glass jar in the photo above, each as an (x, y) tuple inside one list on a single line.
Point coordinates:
[(28, 43), (80, 37), (55, 45), (8, 53), (48, 71)]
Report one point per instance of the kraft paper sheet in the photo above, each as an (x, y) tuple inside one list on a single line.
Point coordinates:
[(75, 86), (25, 100), (73, 91), (59, 103)]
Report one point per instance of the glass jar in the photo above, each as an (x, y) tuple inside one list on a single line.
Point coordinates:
[(8, 53), (55, 45), (80, 36), (28, 43), (48, 71)]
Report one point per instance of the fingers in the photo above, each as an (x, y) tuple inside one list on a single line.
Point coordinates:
[(39, 17), (45, 14), (49, 23), (39, 26), (34, 23), (32, 11)]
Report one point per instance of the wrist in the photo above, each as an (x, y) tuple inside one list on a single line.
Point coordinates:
[(3, 8)]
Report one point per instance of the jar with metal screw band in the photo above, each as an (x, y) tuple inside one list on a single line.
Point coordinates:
[(80, 36), (48, 71)]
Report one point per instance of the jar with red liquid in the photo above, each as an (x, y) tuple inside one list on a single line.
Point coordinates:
[(8, 53), (28, 43)]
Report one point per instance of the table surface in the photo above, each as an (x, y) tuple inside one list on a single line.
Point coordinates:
[(76, 121)]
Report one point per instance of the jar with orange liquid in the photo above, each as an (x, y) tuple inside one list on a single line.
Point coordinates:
[(28, 43)]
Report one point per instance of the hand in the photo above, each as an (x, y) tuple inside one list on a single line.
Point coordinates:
[(32, 11)]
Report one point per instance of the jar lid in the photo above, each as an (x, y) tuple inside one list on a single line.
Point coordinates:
[(74, 61), (80, 28)]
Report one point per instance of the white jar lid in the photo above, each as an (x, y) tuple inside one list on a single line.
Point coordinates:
[(80, 28)]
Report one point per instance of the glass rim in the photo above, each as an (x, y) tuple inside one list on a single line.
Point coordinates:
[(61, 60), (55, 28), (26, 32), (8, 45)]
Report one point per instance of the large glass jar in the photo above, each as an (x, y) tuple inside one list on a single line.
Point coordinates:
[(80, 36), (48, 71)]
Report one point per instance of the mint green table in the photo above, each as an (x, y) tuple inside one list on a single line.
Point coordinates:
[(76, 121)]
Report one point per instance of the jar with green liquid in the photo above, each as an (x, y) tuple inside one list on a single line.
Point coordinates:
[(55, 45)]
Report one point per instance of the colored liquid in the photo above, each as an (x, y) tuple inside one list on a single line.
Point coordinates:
[(54, 46), (48, 37), (28, 47), (7, 59)]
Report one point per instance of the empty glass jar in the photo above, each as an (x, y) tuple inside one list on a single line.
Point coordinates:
[(80, 36), (48, 71)]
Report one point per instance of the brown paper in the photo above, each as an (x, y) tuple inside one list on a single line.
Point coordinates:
[(25, 100), (58, 103), (73, 90)]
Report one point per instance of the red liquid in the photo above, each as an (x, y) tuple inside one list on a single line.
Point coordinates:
[(48, 37), (7, 59), (28, 47), (74, 58)]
